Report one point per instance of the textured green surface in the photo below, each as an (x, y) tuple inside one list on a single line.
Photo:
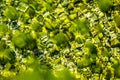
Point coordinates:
[(59, 39)]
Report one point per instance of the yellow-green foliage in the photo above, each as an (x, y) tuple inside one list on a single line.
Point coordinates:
[(23, 40), (59, 39), (80, 26), (84, 61), (33, 72), (11, 13), (7, 56), (91, 48), (3, 29), (19, 40), (117, 19), (105, 5)]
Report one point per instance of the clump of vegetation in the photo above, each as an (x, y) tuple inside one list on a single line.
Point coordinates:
[(59, 39), (11, 13), (23, 40), (3, 30), (105, 5)]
